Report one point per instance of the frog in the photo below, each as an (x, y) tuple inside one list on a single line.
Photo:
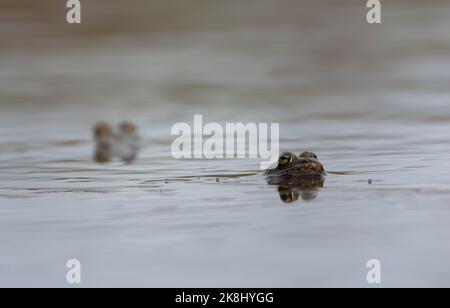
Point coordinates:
[(296, 176), (123, 144)]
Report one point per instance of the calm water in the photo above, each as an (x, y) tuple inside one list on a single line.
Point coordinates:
[(372, 101)]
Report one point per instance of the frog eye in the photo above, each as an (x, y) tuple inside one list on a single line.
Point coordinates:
[(285, 159)]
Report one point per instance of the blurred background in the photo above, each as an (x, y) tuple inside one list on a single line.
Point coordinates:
[(371, 100), (225, 53)]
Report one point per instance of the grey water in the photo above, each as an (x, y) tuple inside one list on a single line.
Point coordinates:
[(373, 101)]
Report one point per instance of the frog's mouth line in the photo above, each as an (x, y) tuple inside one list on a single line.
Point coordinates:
[(282, 172)]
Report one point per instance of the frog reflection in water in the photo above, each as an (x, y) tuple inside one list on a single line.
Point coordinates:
[(297, 176)]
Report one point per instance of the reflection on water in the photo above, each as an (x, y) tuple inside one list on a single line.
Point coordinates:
[(290, 188), (372, 101)]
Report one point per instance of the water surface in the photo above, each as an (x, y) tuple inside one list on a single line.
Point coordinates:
[(371, 101)]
